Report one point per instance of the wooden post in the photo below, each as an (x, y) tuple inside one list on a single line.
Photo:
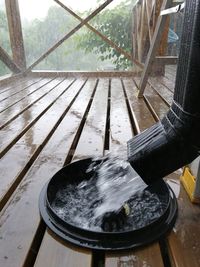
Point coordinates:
[(153, 48), (15, 31)]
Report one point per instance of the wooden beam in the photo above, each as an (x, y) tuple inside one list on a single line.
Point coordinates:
[(15, 31), (153, 48), (83, 74), (8, 61), (72, 32), (166, 60)]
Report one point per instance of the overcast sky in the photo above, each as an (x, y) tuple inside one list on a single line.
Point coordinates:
[(31, 9)]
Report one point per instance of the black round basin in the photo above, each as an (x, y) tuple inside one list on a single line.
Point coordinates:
[(68, 200)]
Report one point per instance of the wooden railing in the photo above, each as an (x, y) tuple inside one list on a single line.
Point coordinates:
[(145, 18), (18, 62)]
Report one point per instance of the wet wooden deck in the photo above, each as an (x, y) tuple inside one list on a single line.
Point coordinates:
[(47, 122)]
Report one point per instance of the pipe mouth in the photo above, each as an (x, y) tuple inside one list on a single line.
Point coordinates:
[(68, 201)]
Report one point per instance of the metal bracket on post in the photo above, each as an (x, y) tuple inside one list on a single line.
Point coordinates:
[(153, 48)]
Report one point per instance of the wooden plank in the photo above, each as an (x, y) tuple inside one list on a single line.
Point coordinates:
[(22, 96), (183, 241), (61, 254), (18, 88), (10, 111), (148, 256), (166, 94), (142, 114), (15, 31), (171, 72), (120, 126), (166, 82), (157, 107), (11, 134), (16, 238), (28, 148), (7, 83), (8, 61), (91, 143), (157, 103), (13, 112), (73, 31), (153, 48), (16, 83)]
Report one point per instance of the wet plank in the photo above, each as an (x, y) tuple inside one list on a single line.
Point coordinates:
[(142, 114), (24, 202), (166, 82), (11, 85), (163, 91), (12, 132), (18, 88), (18, 238), (24, 94), (149, 256), (10, 113), (157, 103), (170, 72), (94, 129), (91, 142), (120, 126), (183, 241), (29, 146), (61, 255)]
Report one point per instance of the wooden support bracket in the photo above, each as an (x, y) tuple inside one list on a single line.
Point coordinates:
[(6, 59)]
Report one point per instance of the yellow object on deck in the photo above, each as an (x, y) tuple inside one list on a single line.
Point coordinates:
[(189, 182)]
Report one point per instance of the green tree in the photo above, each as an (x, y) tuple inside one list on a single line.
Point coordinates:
[(39, 36), (115, 23)]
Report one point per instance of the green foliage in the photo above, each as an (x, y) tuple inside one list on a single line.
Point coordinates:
[(116, 25), (39, 36)]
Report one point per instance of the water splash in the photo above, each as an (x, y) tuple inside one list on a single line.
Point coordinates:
[(114, 182), (117, 182)]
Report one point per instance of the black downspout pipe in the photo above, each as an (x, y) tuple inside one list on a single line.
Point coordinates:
[(175, 141)]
